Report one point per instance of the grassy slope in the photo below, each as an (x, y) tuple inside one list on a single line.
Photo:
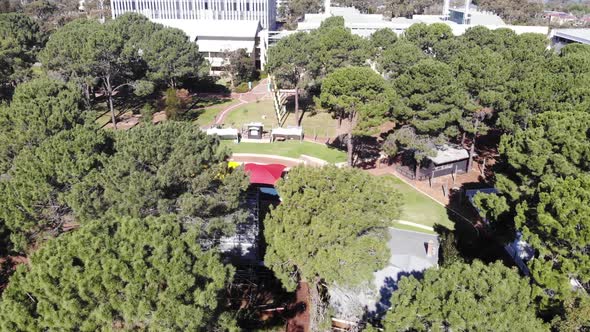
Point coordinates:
[(205, 116), (419, 208), (292, 149)]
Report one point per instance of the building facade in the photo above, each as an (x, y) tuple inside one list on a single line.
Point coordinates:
[(263, 11)]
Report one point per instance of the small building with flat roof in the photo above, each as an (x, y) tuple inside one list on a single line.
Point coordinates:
[(448, 160)]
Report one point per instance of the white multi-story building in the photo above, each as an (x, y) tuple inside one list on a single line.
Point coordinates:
[(264, 11)]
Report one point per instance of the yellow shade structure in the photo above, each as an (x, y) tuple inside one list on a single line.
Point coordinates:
[(233, 164)]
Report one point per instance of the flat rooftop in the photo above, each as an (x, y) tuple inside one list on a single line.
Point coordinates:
[(408, 257), (576, 35), (214, 28)]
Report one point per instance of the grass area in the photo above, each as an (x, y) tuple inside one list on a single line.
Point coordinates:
[(319, 124), (412, 228), (205, 116), (419, 208), (291, 149)]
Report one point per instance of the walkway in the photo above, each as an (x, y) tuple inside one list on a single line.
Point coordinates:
[(259, 92)]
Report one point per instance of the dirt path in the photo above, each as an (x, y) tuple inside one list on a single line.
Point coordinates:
[(259, 92), (300, 322)]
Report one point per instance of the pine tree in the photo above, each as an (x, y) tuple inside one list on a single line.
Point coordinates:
[(118, 274)]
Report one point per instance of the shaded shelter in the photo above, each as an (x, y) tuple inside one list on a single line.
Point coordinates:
[(264, 174)]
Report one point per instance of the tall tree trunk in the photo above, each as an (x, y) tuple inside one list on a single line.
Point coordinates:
[(471, 152), (109, 92), (113, 119), (472, 149), (463, 139), (349, 143), (416, 170), (297, 117)]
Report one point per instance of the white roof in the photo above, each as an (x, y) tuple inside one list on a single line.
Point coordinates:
[(354, 20), (578, 35), (408, 256), (219, 45), (459, 29), (293, 131), (214, 28), (225, 132), (447, 154)]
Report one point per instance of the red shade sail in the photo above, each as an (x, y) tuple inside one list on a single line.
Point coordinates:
[(264, 174)]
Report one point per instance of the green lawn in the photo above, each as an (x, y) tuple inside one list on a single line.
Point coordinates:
[(419, 208), (291, 149), (319, 124), (201, 116)]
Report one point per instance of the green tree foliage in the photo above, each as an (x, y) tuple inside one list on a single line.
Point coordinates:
[(20, 40), (558, 227), (405, 138), (330, 225), (336, 47), (34, 197), (514, 11), (484, 74), (576, 315), (361, 97), (174, 104), (464, 297), (408, 8), (119, 55), (238, 66), (426, 37), (289, 61), (554, 145), (294, 10), (39, 109), (434, 101), (382, 39), (544, 191), (171, 56), (67, 52), (398, 58), (118, 274), (163, 169)]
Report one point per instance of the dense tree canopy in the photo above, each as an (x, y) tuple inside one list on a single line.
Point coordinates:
[(398, 58), (120, 273), (290, 62), (556, 144), (464, 297), (170, 56), (128, 52), (558, 226), (330, 225), (544, 192), (294, 10), (20, 40), (434, 101), (426, 37), (39, 109), (514, 11), (34, 196), (238, 66), (336, 47), (360, 96), (169, 168)]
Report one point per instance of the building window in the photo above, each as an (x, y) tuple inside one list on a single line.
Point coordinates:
[(206, 5), (247, 6)]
